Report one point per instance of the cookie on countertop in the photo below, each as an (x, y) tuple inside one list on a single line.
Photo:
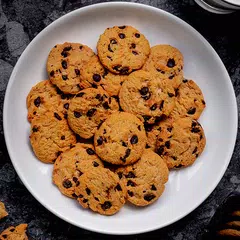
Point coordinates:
[(15, 233), (166, 62), (143, 95), (180, 141), (122, 49), (189, 100), (50, 136), (88, 109), (71, 164), (145, 179), (121, 139), (94, 74), (3, 212), (64, 65), (101, 191)]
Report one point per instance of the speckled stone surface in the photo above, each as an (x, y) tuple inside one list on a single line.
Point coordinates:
[(20, 22)]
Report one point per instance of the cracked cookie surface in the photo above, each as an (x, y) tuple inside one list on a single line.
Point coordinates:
[(15, 233)]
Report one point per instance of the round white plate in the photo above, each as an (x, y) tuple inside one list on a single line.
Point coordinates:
[(186, 188)]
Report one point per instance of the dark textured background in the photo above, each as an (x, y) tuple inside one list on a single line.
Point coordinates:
[(20, 22)]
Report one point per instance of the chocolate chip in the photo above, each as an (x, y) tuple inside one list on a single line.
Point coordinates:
[(66, 106), (161, 105), (148, 127), (118, 187), (4, 235), (124, 144), (106, 205), (185, 80), (81, 47), (105, 72), (37, 101), (131, 183), (122, 27), (137, 35), (110, 49), (194, 124), (149, 197), (170, 94), (80, 196), (117, 67), (34, 113), (203, 102), (127, 153), (64, 77), (77, 114), (85, 200), (63, 137), (179, 166), (124, 70), (176, 92), (58, 153), (74, 195), (67, 183), (121, 35), (109, 56), (99, 97), (195, 130), (96, 77), (68, 48), (52, 73), (35, 129), (161, 71), (130, 175), (134, 139), (195, 150), (77, 71), (105, 105), (96, 199), (91, 112), (171, 63), (191, 111), (120, 175), (153, 107), (80, 94), (201, 136), (130, 193), (134, 52), (57, 116), (147, 146), (12, 229), (100, 141), (171, 77), (95, 164), (153, 187), (146, 97), (144, 90), (160, 150), (64, 54), (64, 64), (169, 129), (146, 118), (174, 158), (167, 144), (88, 191), (133, 45), (90, 151), (139, 128)]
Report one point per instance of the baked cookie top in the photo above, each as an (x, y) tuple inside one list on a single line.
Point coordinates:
[(101, 191), (50, 136), (88, 109), (94, 74), (145, 96), (15, 233), (189, 100), (71, 164), (3, 212), (180, 141), (145, 179), (64, 65), (121, 139), (122, 49)]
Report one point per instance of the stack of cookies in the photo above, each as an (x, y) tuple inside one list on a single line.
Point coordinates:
[(114, 123)]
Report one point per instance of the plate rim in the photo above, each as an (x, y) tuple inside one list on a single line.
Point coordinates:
[(117, 4)]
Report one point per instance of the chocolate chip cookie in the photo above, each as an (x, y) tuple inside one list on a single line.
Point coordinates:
[(15, 233), (121, 139), (145, 179), (122, 49), (71, 164), (50, 136), (64, 65), (101, 191), (3, 212), (166, 62), (146, 97), (180, 141), (88, 109), (94, 74), (189, 100)]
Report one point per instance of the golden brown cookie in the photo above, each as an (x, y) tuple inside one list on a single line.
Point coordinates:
[(234, 233), (101, 191), (145, 179), (94, 74), (64, 65), (88, 109), (121, 139), (143, 95), (50, 136), (15, 233), (71, 164), (3, 212), (180, 141), (122, 49), (189, 100), (165, 62)]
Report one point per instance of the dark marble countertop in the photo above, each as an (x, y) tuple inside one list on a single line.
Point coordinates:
[(20, 22)]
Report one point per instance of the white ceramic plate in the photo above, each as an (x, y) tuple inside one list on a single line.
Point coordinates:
[(187, 188)]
